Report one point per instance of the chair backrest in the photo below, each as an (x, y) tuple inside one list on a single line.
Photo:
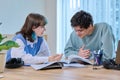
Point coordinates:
[(45, 36), (10, 36)]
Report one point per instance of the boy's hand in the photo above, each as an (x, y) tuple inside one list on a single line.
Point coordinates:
[(84, 53)]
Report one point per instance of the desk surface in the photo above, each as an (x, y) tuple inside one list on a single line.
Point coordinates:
[(28, 73)]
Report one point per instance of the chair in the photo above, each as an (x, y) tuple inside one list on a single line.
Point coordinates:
[(10, 36)]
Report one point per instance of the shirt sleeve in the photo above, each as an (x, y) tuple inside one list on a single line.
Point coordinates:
[(27, 58), (70, 48), (108, 42)]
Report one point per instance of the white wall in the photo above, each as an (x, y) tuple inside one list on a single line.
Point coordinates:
[(14, 12), (51, 12)]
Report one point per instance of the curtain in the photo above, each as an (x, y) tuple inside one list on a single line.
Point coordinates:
[(102, 11)]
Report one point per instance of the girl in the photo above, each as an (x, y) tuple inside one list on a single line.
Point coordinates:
[(33, 47)]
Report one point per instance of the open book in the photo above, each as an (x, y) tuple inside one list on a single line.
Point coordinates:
[(73, 61), (56, 65), (78, 59), (50, 65)]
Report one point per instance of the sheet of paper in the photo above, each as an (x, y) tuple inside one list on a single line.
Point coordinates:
[(50, 65), (77, 58), (74, 65), (40, 66), (1, 76)]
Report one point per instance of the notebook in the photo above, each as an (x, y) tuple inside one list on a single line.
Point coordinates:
[(117, 60)]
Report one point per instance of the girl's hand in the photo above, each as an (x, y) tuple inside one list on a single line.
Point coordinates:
[(56, 57)]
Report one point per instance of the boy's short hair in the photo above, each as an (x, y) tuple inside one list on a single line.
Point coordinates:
[(82, 19)]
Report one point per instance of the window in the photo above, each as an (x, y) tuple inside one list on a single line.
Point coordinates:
[(101, 10)]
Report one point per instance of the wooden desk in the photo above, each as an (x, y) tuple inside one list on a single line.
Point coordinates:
[(27, 73)]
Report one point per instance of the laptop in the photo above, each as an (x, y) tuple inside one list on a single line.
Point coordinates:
[(117, 60)]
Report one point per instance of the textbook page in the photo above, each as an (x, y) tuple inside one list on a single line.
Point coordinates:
[(77, 65), (50, 65), (75, 58)]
